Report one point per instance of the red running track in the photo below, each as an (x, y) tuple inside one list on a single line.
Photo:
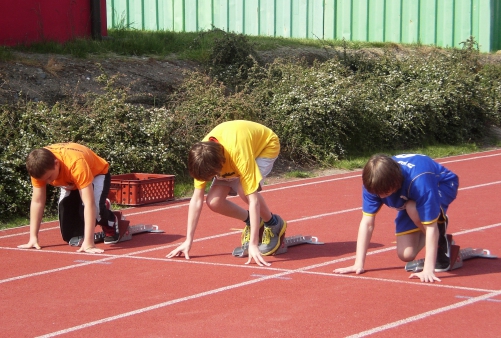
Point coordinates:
[(133, 290)]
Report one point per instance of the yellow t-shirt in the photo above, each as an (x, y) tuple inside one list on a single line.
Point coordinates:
[(243, 142), (78, 166)]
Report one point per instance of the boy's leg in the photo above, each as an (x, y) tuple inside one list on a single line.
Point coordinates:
[(217, 201), (105, 217), (409, 245), (274, 225), (444, 247), (70, 210), (264, 214), (411, 239), (448, 193)]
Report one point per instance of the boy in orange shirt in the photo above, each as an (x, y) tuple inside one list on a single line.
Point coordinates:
[(84, 180)]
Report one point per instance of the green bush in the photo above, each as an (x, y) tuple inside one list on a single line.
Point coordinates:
[(352, 104), (131, 138), (230, 56), (333, 108)]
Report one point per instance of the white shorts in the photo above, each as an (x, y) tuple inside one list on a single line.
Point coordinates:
[(264, 164)]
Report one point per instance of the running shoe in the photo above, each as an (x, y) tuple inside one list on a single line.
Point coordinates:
[(272, 236), (245, 238)]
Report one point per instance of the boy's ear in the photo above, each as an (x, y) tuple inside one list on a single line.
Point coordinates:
[(56, 164)]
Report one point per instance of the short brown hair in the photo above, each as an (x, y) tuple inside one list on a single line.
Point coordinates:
[(205, 160), (382, 175), (39, 161)]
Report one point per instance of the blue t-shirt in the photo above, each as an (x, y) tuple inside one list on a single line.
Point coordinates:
[(422, 178)]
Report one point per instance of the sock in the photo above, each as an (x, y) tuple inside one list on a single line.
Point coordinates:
[(273, 221), (247, 220), (111, 218)]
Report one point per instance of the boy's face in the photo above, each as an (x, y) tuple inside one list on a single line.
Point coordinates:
[(51, 174)]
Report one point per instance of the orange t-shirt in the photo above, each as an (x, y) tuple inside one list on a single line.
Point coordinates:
[(78, 166)]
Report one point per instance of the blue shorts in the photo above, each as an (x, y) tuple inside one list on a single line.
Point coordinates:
[(447, 192)]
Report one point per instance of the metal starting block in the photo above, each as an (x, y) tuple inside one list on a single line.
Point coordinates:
[(462, 255), (125, 231), (287, 242)]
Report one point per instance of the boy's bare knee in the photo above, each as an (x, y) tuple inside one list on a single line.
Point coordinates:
[(214, 204), (407, 255)]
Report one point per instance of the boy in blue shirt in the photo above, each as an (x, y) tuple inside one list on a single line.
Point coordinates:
[(421, 190)]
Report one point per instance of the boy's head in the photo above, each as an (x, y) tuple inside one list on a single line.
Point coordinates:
[(382, 175), (42, 164), (205, 160)]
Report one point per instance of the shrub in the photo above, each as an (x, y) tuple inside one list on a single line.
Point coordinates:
[(131, 138), (230, 56), (321, 112), (329, 109)]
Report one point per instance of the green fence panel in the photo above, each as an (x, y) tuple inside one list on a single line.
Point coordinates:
[(495, 24), (444, 23)]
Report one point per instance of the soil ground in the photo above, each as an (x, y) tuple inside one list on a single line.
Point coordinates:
[(52, 78)]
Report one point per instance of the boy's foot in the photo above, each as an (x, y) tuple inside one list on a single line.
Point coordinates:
[(272, 236), (111, 235), (444, 247), (246, 234)]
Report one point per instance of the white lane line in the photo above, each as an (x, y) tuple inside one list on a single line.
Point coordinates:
[(476, 229), (489, 300), (40, 273), (313, 183), (277, 275), (164, 304), (27, 232), (414, 282), (110, 257), (303, 184), (280, 275), (425, 315), (480, 185), (324, 215), (469, 158), (292, 221)]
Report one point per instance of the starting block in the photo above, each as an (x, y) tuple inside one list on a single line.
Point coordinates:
[(287, 242), (457, 257), (125, 231)]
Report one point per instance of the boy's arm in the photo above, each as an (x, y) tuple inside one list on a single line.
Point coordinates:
[(87, 195), (37, 206), (194, 211), (428, 273), (364, 237), (254, 212)]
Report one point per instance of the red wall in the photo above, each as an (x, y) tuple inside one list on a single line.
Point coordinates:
[(27, 21)]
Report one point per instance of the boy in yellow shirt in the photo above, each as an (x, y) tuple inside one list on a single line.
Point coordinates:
[(236, 156), (84, 180)]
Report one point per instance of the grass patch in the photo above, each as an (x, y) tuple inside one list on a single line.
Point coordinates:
[(194, 46), (434, 151), (5, 54), (18, 221), (298, 174), (183, 189)]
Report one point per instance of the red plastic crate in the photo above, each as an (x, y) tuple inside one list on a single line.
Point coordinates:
[(138, 188)]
